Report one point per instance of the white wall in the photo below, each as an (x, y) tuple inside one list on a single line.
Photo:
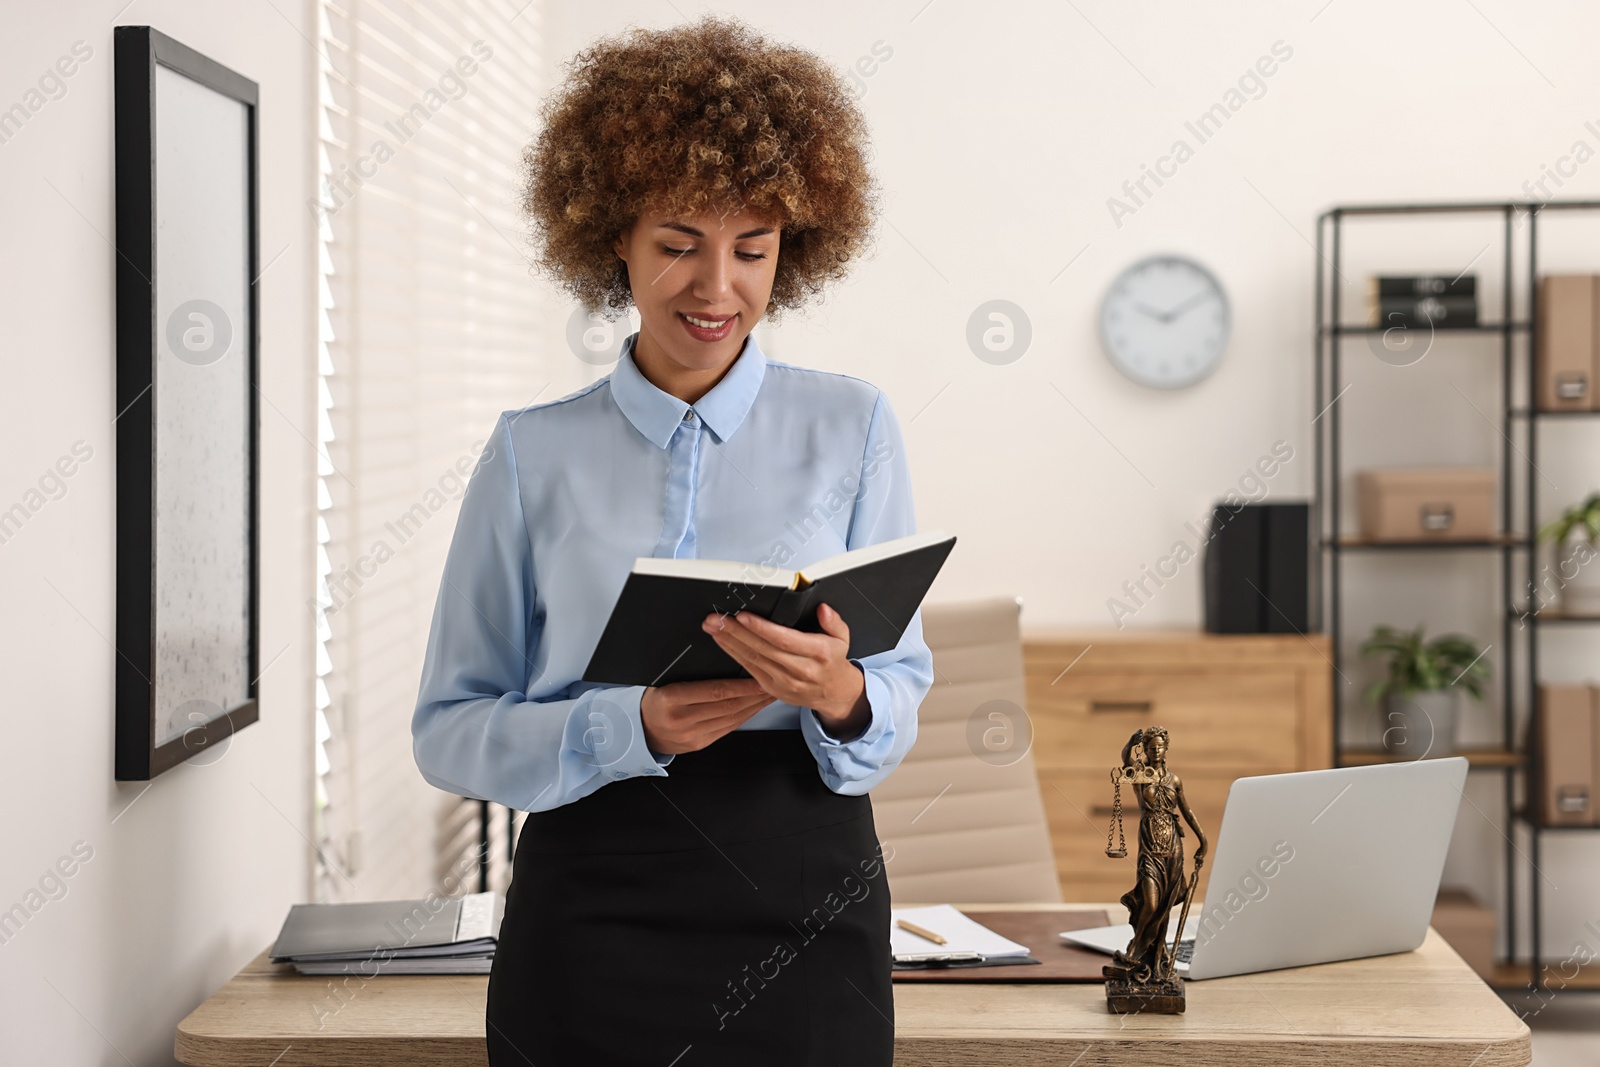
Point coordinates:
[(189, 876), (1001, 131)]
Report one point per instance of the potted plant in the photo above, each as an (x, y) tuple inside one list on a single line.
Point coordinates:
[(1421, 687), (1577, 539)]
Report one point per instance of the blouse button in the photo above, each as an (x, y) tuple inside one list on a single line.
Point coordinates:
[(688, 416)]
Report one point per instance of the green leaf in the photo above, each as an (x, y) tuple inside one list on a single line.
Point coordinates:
[(1413, 664)]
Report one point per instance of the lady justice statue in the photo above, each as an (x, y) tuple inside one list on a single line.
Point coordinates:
[(1142, 977)]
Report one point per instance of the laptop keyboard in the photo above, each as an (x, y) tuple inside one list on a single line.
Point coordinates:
[(1185, 950)]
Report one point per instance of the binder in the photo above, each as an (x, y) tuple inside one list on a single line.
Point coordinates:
[(430, 935), (1567, 356), (1567, 755), (1256, 575)]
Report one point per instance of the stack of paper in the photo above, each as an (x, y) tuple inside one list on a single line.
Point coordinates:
[(436, 935), (963, 937)]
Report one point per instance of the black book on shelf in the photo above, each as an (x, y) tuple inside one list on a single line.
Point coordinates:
[(1423, 311), (653, 636), (1420, 285)]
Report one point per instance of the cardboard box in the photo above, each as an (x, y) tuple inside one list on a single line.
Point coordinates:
[(1469, 927), (1566, 743), (1426, 503), (1568, 355)]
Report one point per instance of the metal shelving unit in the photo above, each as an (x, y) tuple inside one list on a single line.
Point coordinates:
[(1511, 761)]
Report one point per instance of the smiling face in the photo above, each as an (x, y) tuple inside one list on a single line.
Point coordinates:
[(701, 283)]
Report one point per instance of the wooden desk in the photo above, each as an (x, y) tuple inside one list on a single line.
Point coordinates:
[(1417, 1008)]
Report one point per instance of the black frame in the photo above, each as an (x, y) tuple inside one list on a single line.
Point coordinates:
[(1331, 545), (139, 50)]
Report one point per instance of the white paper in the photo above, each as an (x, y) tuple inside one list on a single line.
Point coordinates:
[(960, 933), (477, 917)]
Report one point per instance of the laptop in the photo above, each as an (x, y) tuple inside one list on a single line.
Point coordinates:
[(1313, 867)]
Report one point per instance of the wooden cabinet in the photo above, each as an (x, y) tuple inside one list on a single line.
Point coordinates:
[(1236, 705)]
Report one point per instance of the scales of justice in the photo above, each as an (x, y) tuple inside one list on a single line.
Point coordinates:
[(1143, 976)]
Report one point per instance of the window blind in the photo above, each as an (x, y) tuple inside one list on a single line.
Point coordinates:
[(429, 328)]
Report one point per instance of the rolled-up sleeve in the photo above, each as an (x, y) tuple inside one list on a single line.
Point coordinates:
[(896, 680), (475, 731)]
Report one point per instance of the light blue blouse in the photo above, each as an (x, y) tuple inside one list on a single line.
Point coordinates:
[(776, 464)]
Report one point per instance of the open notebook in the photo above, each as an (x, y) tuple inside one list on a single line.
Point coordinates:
[(653, 636)]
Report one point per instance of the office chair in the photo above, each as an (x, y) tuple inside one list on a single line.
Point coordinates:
[(963, 813)]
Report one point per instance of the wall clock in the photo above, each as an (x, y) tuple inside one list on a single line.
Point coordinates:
[(1165, 322)]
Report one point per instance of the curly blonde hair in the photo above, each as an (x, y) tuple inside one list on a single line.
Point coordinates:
[(704, 116)]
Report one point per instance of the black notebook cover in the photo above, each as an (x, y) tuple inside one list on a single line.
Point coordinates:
[(653, 636)]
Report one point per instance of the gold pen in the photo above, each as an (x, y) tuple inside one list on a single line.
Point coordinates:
[(921, 932)]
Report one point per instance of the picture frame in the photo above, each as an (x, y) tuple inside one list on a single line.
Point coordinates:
[(187, 421)]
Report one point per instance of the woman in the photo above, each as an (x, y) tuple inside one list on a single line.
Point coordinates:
[(1161, 885), (699, 880)]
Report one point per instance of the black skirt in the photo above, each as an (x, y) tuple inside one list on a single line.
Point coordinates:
[(734, 912)]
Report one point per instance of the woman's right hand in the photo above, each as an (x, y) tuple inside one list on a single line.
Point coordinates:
[(688, 716)]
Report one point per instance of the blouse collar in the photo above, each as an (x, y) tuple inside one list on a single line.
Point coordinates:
[(657, 413)]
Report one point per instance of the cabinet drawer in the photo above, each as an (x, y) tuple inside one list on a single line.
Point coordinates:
[(1239, 722), (1078, 808)]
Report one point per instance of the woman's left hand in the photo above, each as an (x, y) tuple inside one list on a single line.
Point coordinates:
[(804, 669)]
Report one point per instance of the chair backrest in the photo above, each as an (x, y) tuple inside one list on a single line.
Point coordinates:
[(962, 813)]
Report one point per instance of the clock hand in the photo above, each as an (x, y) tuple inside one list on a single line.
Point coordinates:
[(1152, 312), (1173, 313)]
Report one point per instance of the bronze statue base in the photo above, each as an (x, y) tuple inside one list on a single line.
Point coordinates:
[(1163, 997)]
